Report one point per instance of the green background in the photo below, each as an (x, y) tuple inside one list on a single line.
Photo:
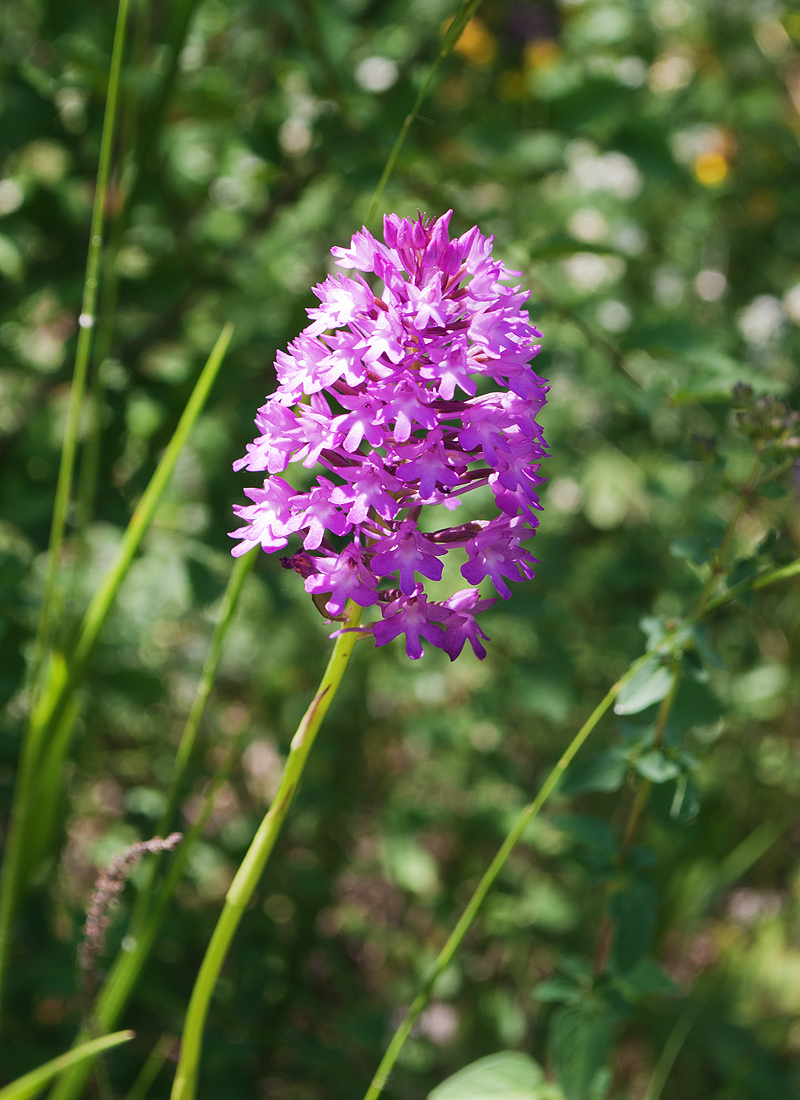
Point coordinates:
[(638, 163)]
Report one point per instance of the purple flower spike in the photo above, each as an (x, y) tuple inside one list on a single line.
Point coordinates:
[(411, 386)]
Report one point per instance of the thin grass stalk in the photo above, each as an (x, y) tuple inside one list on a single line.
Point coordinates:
[(33, 1083), (64, 678), (230, 601), (484, 886), (468, 9), (83, 351), (129, 188), (526, 816), (151, 1068), (252, 866)]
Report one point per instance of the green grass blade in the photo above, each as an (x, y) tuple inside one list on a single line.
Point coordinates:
[(158, 1055), (33, 1083), (66, 678), (83, 351)]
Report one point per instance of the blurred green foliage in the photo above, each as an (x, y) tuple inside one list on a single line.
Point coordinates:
[(638, 162)]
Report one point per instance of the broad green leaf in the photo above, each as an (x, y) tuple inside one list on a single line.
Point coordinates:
[(504, 1076), (656, 767), (634, 923), (648, 685), (602, 771), (581, 1040), (33, 1083)]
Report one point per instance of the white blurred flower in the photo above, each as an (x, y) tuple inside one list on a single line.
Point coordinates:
[(229, 192), (668, 14), (688, 145), (632, 72), (791, 303), (588, 224), (612, 172), (377, 74), (762, 320), (630, 239), (587, 271), (614, 316), (670, 73), (668, 287), (439, 1023), (11, 196), (565, 495), (710, 285), (295, 136)]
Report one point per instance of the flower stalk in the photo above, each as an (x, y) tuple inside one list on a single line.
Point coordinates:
[(250, 870)]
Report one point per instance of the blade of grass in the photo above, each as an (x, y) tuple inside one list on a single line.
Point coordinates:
[(230, 601), (143, 137), (467, 918), (66, 677), (33, 1083), (82, 353), (468, 9), (150, 1070)]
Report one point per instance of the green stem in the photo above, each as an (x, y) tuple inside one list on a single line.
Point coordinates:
[(149, 1072), (468, 916), (63, 678), (129, 184), (252, 866), (82, 353), (468, 9), (754, 584), (672, 1048), (718, 564), (230, 601)]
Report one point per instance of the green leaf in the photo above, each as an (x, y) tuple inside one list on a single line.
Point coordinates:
[(648, 979), (693, 547), (580, 1040), (634, 919), (33, 1083), (648, 685), (602, 771), (656, 767), (557, 990), (773, 492), (504, 1076)]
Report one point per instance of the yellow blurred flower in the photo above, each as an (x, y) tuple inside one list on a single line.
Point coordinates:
[(711, 169), (475, 43), (541, 53)]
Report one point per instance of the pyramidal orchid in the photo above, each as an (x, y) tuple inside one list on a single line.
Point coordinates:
[(410, 388)]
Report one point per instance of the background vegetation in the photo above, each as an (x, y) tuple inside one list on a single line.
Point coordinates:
[(638, 162)]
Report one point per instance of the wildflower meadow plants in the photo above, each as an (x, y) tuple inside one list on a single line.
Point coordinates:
[(404, 472)]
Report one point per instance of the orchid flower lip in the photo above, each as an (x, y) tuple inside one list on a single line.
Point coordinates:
[(407, 398)]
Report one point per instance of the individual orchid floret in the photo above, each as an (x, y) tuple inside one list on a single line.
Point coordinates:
[(410, 388)]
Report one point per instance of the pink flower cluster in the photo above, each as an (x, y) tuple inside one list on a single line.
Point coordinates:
[(389, 389)]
